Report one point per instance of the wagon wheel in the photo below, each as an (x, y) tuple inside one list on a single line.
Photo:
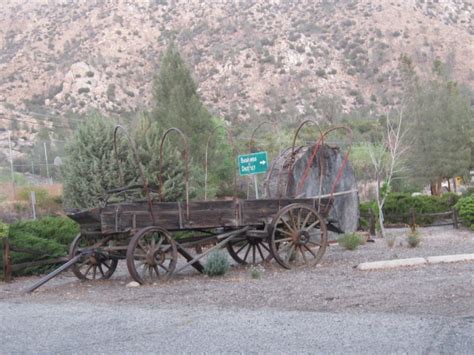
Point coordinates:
[(251, 250), (98, 265), (298, 236), (151, 255)]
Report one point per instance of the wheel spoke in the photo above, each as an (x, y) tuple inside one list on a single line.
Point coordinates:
[(287, 225), (94, 272), (312, 225), (302, 253), (253, 253), (299, 219), (290, 212), (164, 267), (88, 269), (288, 255), (309, 249), (284, 231), (247, 253), (156, 271), (242, 247), (306, 219), (101, 270), (260, 252), (263, 245)]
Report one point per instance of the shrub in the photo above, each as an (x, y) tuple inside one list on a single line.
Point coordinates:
[(3, 230), (413, 239), (403, 203), (350, 241), (390, 240), (217, 264), (47, 238), (255, 273), (465, 207)]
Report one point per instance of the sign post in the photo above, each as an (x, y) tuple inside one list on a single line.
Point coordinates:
[(253, 164)]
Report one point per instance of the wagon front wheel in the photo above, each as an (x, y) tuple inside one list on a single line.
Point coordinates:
[(96, 266), (298, 236), (251, 250), (151, 255)]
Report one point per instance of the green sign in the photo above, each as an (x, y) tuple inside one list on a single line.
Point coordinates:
[(251, 164)]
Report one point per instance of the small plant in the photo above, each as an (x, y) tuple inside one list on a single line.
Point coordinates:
[(255, 272), (350, 241), (413, 239), (217, 264), (390, 240)]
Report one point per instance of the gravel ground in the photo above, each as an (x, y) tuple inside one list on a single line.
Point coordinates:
[(331, 308), (334, 285)]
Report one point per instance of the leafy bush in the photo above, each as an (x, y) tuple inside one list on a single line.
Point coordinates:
[(350, 241), (47, 238), (403, 203), (217, 264), (3, 230), (465, 207), (413, 239)]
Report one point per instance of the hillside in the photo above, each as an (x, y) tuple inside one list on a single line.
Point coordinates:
[(287, 59)]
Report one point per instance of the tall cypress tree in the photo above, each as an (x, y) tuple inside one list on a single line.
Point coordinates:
[(177, 103)]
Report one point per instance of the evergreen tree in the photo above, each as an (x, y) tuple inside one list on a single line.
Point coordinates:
[(177, 103), (442, 121), (89, 168)]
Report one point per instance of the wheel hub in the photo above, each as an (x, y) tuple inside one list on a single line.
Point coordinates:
[(303, 237)]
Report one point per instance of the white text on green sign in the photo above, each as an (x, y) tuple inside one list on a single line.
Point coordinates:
[(255, 163)]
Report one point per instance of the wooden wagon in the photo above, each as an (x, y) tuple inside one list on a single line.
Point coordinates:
[(150, 234)]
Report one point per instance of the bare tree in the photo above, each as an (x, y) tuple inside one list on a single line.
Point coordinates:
[(387, 159)]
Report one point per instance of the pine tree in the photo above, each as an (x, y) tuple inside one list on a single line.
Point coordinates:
[(177, 103)]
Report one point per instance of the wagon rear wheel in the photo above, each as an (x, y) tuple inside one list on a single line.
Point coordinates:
[(151, 255), (98, 265), (298, 236)]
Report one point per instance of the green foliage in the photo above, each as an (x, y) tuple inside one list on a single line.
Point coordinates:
[(255, 273), (177, 103), (3, 230), (413, 239), (350, 241), (89, 168), (403, 203), (465, 207), (47, 238), (441, 127), (217, 264)]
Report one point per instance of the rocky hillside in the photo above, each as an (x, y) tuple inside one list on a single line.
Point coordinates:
[(286, 58)]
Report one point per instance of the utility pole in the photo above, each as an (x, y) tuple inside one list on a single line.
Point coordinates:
[(47, 165), (11, 162)]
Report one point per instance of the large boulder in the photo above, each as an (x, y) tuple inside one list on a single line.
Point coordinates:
[(301, 180)]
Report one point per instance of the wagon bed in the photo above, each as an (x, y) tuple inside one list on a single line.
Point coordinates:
[(176, 216)]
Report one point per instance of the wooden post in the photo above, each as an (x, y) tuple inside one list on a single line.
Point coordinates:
[(7, 262), (413, 219), (455, 219)]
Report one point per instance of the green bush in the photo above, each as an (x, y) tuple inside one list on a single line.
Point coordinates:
[(413, 239), (350, 241), (465, 207), (217, 264), (397, 204), (47, 238)]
